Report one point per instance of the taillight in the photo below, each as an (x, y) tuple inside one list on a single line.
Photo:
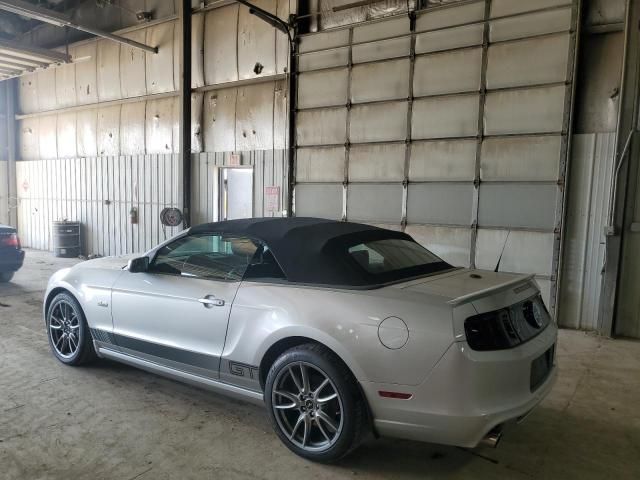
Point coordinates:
[(507, 327), (10, 240)]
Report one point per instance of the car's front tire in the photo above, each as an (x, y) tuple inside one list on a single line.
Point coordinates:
[(67, 331), (314, 403), (6, 277)]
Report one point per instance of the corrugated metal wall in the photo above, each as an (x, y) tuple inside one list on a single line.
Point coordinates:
[(117, 108), (455, 131), (100, 192)]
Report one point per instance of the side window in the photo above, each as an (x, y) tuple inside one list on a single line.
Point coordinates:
[(213, 256), (264, 266)]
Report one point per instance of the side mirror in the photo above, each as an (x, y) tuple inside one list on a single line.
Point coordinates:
[(138, 265)]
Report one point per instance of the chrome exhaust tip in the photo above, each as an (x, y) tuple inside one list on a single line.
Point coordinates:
[(492, 438)]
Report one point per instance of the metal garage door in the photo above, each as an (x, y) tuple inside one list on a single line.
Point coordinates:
[(451, 125)]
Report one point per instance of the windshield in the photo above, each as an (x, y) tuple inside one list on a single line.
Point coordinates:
[(394, 259)]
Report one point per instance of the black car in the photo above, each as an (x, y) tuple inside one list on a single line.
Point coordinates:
[(11, 254)]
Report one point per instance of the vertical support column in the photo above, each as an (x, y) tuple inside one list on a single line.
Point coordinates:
[(409, 140), (347, 144), (11, 89), (293, 108), (185, 109), (480, 137), (565, 157), (624, 170)]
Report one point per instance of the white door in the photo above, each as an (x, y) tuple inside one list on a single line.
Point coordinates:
[(176, 313), (236, 190)]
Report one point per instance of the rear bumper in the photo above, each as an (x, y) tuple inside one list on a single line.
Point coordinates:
[(467, 394), (11, 260)]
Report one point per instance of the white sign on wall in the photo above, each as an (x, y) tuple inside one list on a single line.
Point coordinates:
[(271, 199)]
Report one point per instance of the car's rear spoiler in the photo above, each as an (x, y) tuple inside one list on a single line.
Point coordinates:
[(520, 280)]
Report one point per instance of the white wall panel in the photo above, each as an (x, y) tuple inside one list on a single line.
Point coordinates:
[(540, 23), (528, 62), (324, 164), (196, 121), (322, 127), (381, 50), (197, 50), (380, 81), (280, 115), (319, 200), (109, 130), (86, 73), (443, 160), (220, 47), (46, 86), (87, 133), (219, 120), (448, 39), (500, 8), (65, 85), (336, 57), (254, 117), (450, 17), (132, 67), (324, 40), (521, 158), (450, 72), (378, 122), (256, 42), (28, 93), (444, 117), (449, 243), (536, 110), (522, 251), (392, 27), (132, 128), (374, 202), (283, 10), (377, 163), (47, 132), (29, 138), (4, 194), (322, 89), (66, 135), (160, 67), (108, 75), (159, 126), (517, 205), (440, 203)]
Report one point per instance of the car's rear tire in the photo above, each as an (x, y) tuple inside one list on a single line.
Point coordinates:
[(68, 332), (314, 403), (6, 276)]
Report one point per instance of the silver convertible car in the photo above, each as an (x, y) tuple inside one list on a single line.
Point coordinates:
[(340, 329)]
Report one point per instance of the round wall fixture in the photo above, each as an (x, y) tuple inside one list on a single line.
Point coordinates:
[(393, 333)]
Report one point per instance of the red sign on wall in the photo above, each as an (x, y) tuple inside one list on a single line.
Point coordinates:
[(271, 199)]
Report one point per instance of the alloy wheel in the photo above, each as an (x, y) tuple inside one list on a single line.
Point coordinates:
[(64, 329), (307, 406)]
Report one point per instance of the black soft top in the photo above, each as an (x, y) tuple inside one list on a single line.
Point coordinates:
[(310, 250)]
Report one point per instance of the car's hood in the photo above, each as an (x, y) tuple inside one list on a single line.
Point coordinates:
[(464, 284), (106, 263)]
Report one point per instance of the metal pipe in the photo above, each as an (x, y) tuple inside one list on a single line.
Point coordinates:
[(492, 438), (60, 20), (32, 53), (185, 110), (26, 62)]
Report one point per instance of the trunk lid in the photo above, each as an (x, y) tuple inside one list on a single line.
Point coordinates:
[(466, 285)]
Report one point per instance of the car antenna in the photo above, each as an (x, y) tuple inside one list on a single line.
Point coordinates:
[(503, 247)]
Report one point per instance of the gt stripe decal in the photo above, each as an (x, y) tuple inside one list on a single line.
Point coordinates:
[(178, 355)]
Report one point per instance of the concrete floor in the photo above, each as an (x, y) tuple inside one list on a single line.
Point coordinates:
[(112, 421)]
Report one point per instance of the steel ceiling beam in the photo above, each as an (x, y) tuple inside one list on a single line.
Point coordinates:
[(61, 20), (9, 64), (32, 53), (26, 62)]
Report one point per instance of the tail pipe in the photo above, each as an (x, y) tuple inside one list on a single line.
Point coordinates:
[(492, 438)]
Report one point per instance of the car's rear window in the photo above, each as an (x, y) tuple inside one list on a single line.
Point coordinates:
[(394, 259)]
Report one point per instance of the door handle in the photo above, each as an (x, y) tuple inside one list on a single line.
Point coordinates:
[(210, 301)]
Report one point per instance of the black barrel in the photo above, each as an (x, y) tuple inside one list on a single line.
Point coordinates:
[(66, 239)]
